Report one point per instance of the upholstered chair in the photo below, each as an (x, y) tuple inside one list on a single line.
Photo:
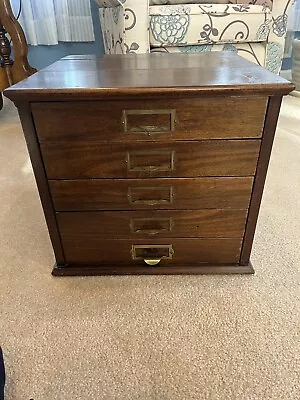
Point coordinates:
[(254, 29)]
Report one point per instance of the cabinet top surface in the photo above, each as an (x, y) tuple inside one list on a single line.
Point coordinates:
[(146, 75)]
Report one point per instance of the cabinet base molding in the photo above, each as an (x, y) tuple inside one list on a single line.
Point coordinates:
[(93, 270)]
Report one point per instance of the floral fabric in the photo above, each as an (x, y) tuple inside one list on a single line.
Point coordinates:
[(215, 23)]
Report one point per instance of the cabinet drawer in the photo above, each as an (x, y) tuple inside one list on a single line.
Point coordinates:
[(189, 119), (89, 249), (150, 224), (124, 194), (136, 160)]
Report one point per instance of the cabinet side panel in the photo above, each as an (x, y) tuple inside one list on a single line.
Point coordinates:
[(40, 177), (260, 177)]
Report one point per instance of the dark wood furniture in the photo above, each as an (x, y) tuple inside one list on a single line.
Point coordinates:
[(151, 164), (12, 70)]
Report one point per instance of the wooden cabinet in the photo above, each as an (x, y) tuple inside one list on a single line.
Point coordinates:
[(137, 178)]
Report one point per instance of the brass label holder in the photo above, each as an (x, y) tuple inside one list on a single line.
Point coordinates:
[(149, 129)]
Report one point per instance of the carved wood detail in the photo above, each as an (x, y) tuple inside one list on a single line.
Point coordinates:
[(11, 71), (5, 52), (5, 49)]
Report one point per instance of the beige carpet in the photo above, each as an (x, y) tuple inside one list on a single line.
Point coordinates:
[(160, 338)]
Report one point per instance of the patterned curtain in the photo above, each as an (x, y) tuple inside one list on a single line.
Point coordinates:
[(47, 22)]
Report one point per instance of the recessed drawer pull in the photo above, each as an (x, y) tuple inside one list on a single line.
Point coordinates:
[(151, 226), (152, 254), (150, 196), (148, 129), (151, 202), (149, 122), (161, 160), (151, 231), (153, 261)]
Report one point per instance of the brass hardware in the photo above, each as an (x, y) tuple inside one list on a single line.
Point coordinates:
[(141, 225), (167, 158), (152, 262), (134, 195), (152, 254), (148, 128)]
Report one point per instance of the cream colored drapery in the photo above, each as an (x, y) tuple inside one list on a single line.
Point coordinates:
[(47, 22)]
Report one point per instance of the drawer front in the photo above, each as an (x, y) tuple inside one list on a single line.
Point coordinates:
[(89, 249), (151, 159), (189, 119), (122, 194), (150, 224)]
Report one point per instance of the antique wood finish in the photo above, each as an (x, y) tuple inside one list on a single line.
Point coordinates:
[(262, 167), (154, 224), (138, 160), (153, 163), (237, 117), (41, 180), (147, 194)]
